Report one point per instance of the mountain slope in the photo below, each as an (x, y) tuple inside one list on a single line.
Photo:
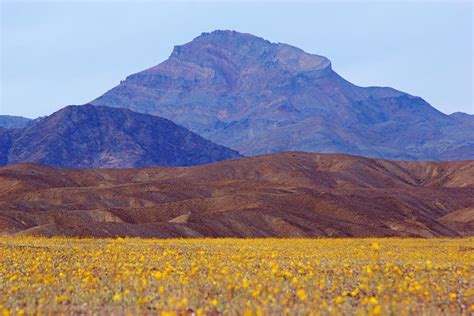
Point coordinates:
[(5, 144), (89, 136), (279, 195), (8, 121), (257, 97)]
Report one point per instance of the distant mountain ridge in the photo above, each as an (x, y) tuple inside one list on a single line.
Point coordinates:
[(8, 121), (102, 137), (463, 117), (249, 94)]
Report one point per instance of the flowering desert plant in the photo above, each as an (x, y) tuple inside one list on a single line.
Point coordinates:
[(237, 276)]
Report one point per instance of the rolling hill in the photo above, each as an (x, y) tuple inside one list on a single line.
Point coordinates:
[(280, 195)]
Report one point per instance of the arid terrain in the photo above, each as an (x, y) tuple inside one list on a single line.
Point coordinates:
[(279, 195)]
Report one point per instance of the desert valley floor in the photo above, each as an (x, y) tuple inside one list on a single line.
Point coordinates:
[(345, 276)]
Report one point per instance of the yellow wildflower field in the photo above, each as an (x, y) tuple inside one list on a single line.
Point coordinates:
[(237, 276)]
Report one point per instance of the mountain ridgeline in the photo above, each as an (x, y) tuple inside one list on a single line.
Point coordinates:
[(95, 136), (254, 96), (8, 121), (245, 93)]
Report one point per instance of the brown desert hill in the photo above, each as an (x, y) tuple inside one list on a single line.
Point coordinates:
[(289, 194)]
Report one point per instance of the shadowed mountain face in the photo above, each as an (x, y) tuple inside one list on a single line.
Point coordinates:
[(5, 144), (89, 136), (7, 121), (279, 195), (257, 97)]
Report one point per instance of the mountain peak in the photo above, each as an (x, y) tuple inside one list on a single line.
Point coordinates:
[(98, 136), (247, 51), (255, 96), (229, 35), (226, 38)]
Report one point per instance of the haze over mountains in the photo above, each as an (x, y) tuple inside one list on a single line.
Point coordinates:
[(254, 96), (8, 121), (92, 136), (279, 195)]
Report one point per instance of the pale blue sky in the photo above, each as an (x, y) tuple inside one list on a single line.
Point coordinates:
[(59, 53)]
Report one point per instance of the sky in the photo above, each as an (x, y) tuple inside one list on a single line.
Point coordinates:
[(59, 53)]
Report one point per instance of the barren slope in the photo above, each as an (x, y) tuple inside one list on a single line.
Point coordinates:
[(283, 195), (101, 137)]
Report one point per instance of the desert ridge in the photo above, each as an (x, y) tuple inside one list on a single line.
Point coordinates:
[(290, 194)]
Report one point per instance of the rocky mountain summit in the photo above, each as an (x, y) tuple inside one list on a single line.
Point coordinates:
[(249, 94), (102, 137)]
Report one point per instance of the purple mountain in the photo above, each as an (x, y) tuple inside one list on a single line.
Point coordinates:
[(102, 137), (8, 121), (255, 96)]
